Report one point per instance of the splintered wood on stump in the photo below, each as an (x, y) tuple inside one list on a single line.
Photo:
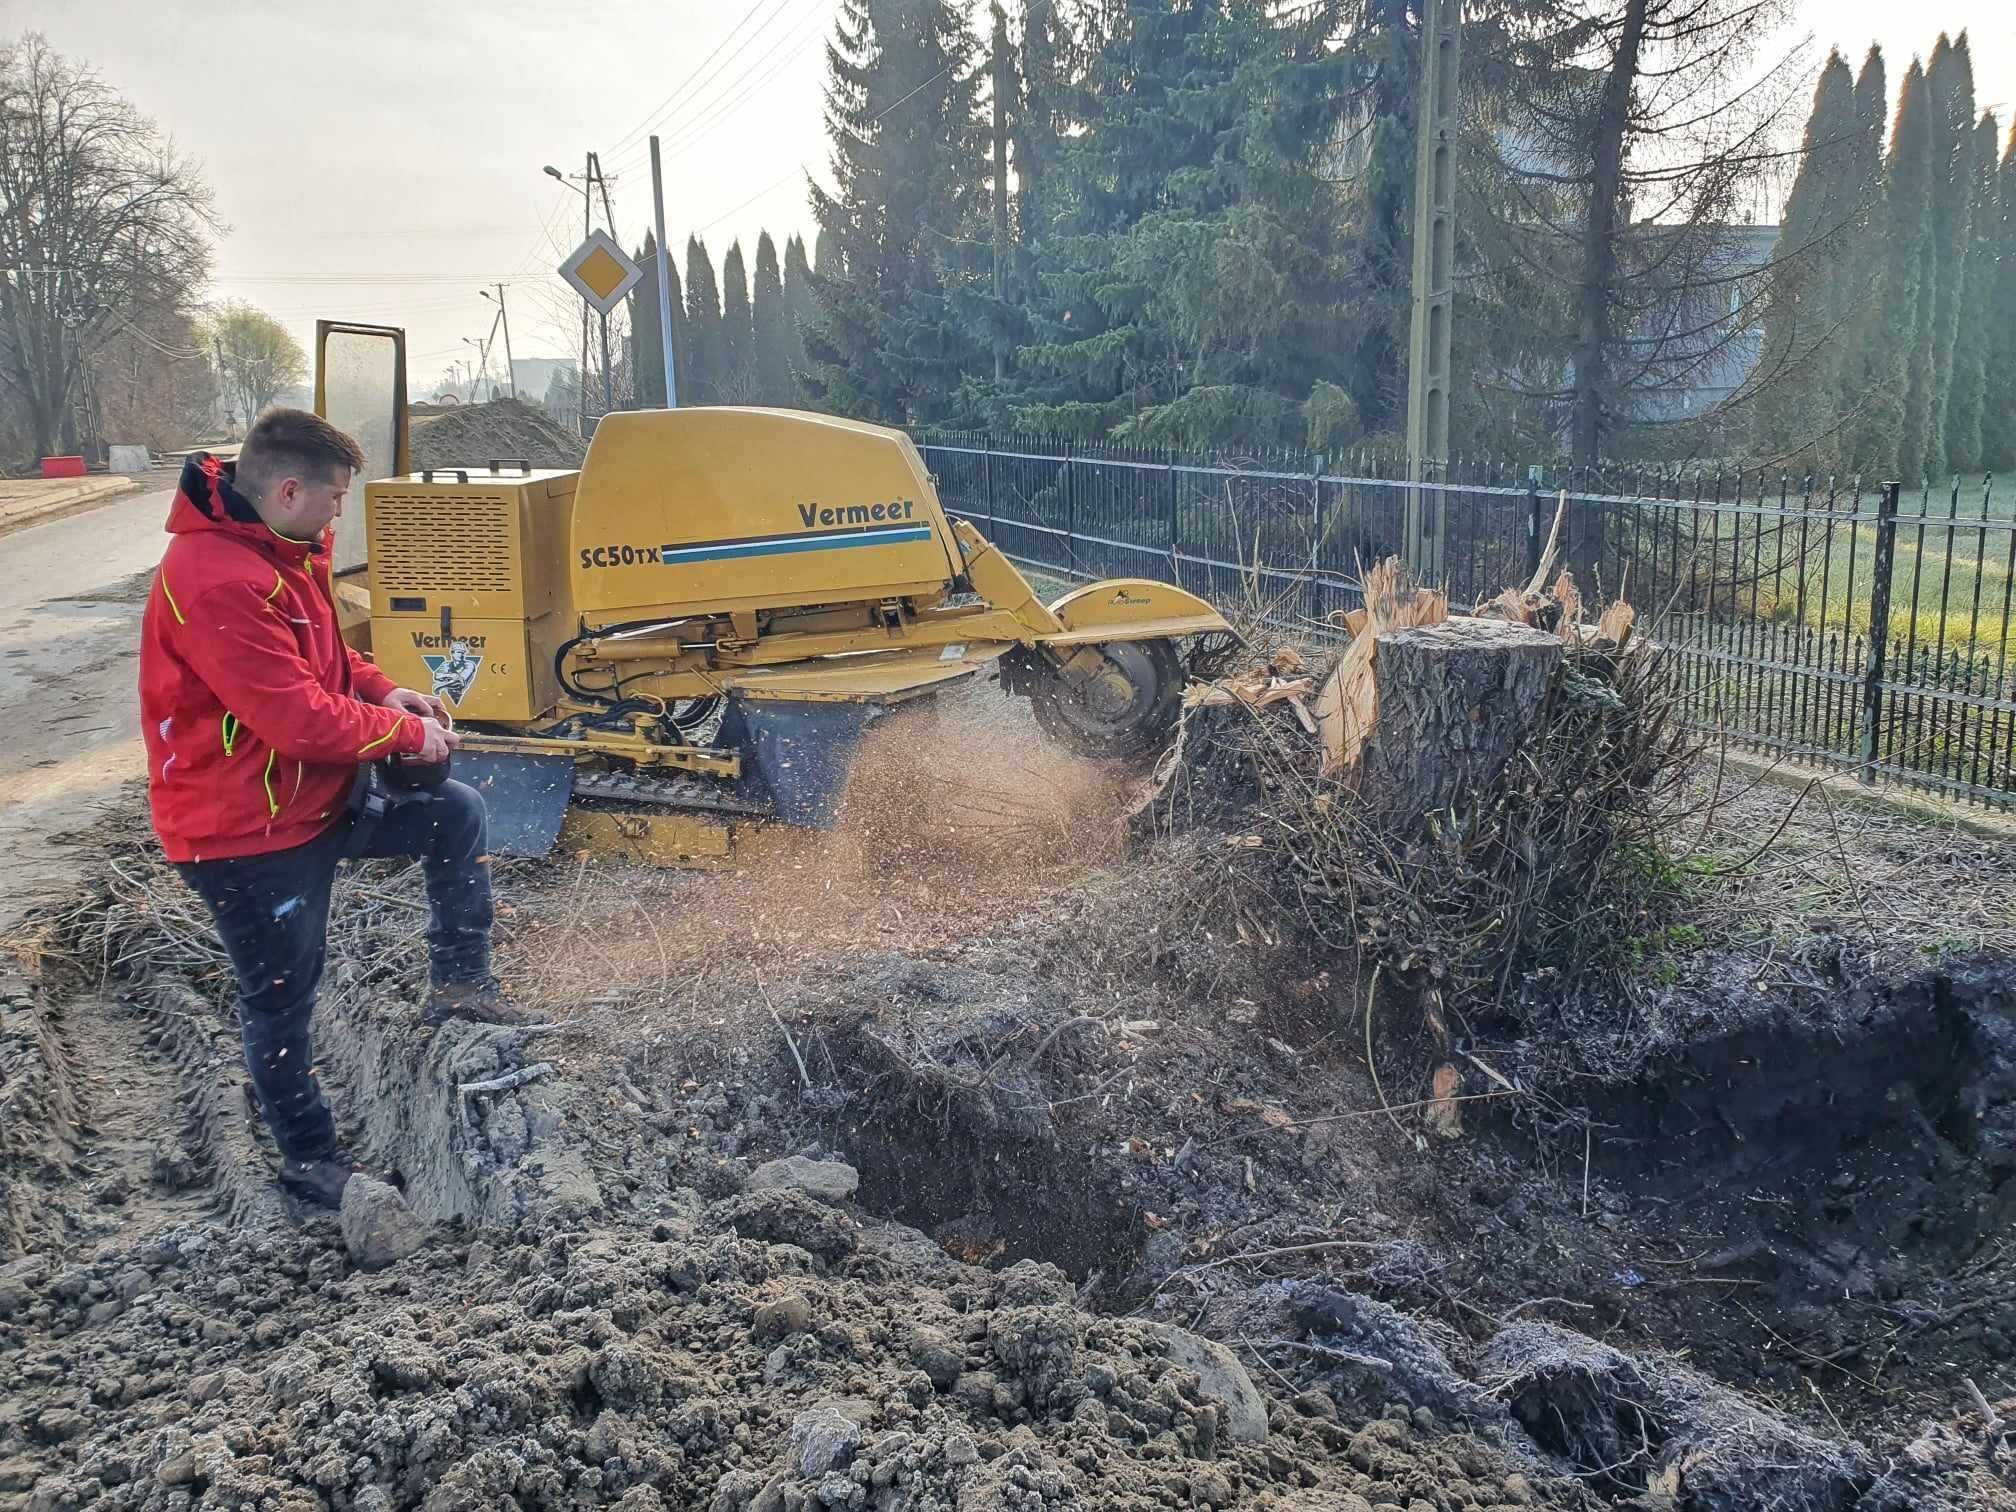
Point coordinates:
[(1456, 702)]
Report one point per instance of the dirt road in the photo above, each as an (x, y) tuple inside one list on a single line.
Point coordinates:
[(71, 593)]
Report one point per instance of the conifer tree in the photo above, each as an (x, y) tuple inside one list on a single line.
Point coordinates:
[(800, 309), (1807, 323), (703, 328), (647, 358), (1999, 418), (1950, 76), (1909, 289), (902, 117), (1968, 393), (1193, 278), (1870, 393), (771, 326), (738, 339)]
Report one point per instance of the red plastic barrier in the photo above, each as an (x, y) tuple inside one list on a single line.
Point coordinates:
[(62, 467)]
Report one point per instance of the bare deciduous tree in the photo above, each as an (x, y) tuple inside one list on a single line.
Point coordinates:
[(1617, 147), (100, 219), (256, 357)]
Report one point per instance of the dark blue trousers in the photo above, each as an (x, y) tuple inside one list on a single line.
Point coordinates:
[(273, 914)]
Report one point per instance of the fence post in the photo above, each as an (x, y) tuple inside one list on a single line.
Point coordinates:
[(987, 463), (1534, 526), (1070, 512), (1879, 625), (1175, 521)]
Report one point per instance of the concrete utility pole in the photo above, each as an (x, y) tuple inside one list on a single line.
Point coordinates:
[(608, 379), (1000, 170), (510, 370), (1434, 283), (664, 280)]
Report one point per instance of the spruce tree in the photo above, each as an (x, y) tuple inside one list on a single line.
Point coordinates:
[(1798, 371), (771, 323), (738, 339), (1909, 287), (1194, 282), (1966, 405), (902, 117), (800, 308), (703, 328), (1950, 76)]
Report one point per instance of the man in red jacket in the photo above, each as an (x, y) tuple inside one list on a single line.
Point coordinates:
[(258, 722)]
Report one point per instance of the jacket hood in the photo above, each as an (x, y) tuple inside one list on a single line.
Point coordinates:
[(207, 498)]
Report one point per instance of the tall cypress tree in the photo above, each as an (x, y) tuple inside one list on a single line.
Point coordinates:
[(1968, 394), (771, 325), (646, 352), (1805, 341), (901, 113), (738, 338), (1999, 419), (1909, 287), (800, 309), (1869, 383), (703, 328), (1950, 76)]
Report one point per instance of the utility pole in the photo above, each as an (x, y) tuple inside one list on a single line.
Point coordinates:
[(510, 367), (664, 280), (587, 225), (608, 379), (1434, 283), (1000, 174)]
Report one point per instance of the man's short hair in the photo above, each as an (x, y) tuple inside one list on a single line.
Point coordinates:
[(292, 443)]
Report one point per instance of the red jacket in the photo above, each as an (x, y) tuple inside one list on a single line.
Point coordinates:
[(255, 713)]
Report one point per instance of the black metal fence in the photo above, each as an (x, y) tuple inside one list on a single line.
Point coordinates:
[(1821, 619)]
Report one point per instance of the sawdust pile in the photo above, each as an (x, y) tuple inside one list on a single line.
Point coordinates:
[(502, 430), (957, 817)]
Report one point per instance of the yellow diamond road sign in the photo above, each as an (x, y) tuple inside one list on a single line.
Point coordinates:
[(601, 271)]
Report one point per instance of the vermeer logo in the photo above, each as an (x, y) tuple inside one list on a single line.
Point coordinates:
[(855, 514), (454, 673), (1122, 596)]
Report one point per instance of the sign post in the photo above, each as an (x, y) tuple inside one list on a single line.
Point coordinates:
[(602, 273)]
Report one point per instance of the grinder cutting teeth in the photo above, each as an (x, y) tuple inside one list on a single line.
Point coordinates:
[(691, 633)]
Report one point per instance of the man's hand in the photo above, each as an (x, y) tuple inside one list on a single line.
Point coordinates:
[(440, 741), (419, 705)]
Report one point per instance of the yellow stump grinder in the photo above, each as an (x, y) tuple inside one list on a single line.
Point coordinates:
[(693, 630)]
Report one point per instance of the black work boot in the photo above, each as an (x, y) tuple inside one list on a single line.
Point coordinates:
[(483, 1002), (321, 1181)]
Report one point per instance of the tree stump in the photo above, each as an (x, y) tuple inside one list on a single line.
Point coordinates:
[(1455, 703)]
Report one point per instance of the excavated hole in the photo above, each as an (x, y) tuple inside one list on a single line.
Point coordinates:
[(992, 1203), (969, 1155), (1826, 1152)]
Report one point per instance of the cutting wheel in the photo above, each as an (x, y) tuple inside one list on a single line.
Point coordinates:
[(1125, 709)]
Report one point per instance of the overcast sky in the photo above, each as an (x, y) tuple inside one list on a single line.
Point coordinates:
[(380, 160)]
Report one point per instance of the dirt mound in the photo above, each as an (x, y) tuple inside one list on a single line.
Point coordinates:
[(504, 430), (763, 1351), (1133, 1226)]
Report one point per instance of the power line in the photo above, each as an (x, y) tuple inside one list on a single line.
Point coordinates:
[(758, 81), (762, 69), (688, 82), (800, 166)]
